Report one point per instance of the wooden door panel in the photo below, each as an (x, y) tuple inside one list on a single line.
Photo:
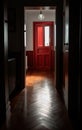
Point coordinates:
[(43, 46), (42, 50), (39, 61), (46, 60)]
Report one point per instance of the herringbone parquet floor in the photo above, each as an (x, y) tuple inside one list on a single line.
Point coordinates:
[(38, 106)]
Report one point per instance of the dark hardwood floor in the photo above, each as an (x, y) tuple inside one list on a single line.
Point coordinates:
[(38, 106)]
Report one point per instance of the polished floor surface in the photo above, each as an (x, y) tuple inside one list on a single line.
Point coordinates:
[(38, 106)]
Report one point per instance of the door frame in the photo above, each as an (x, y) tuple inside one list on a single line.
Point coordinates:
[(59, 38)]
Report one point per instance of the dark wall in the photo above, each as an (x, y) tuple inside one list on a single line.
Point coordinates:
[(16, 42), (59, 47), (3, 62), (80, 65), (40, 2), (2, 88), (74, 67), (13, 48)]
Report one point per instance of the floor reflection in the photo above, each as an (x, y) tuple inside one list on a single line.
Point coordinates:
[(43, 99), (38, 107)]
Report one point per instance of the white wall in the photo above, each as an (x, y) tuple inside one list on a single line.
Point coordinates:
[(32, 16), (66, 24)]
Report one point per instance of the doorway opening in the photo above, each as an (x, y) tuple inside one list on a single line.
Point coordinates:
[(40, 58)]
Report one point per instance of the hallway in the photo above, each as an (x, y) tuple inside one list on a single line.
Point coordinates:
[(38, 106)]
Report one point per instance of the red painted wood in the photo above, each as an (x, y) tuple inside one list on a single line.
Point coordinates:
[(53, 60), (43, 54), (40, 36)]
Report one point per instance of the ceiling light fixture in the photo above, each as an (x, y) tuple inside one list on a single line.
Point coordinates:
[(41, 16)]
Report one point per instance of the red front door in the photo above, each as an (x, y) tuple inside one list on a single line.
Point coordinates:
[(43, 44)]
